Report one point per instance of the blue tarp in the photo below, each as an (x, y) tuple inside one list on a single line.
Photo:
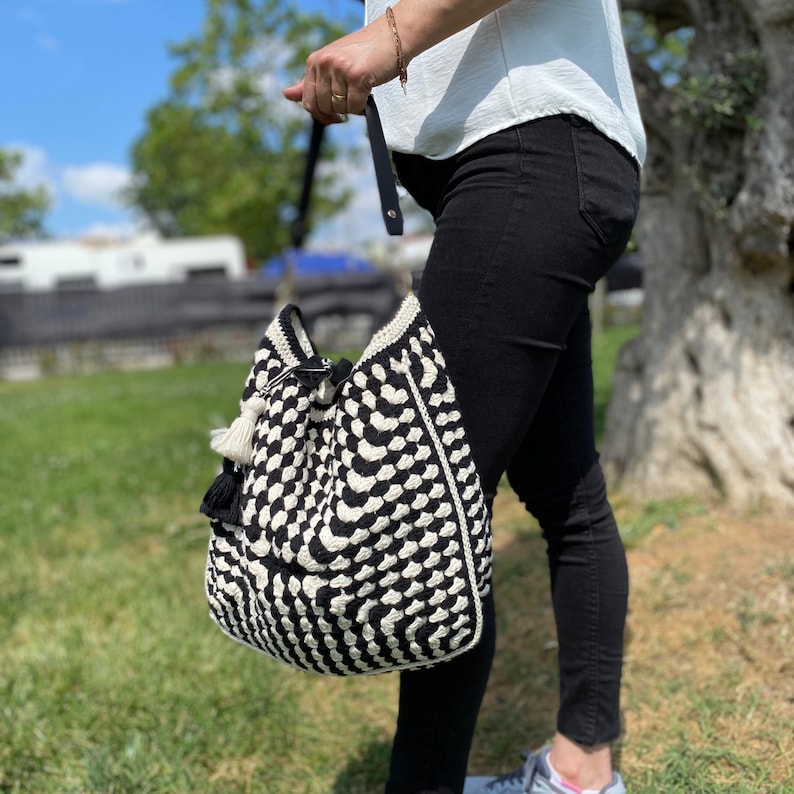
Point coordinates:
[(312, 263)]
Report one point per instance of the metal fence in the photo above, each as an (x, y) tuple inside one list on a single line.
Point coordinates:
[(81, 330)]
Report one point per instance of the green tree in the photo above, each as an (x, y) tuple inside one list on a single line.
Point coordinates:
[(225, 152), (22, 210)]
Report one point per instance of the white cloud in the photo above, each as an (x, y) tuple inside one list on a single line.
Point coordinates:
[(47, 42), (93, 189), (42, 39), (35, 169), (30, 15), (97, 183)]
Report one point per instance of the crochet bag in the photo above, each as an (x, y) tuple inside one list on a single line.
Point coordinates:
[(349, 533)]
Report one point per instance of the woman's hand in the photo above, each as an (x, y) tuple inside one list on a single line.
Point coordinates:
[(340, 76)]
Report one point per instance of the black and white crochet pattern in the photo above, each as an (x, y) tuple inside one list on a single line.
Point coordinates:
[(362, 542)]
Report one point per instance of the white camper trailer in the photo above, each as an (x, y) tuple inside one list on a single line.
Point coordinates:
[(61, 265)]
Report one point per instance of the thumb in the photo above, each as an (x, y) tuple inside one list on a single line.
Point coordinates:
[(294, 92)]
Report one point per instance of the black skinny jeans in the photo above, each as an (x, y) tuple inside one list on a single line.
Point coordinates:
[(527, 220)]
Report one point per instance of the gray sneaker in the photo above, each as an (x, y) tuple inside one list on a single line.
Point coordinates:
[(511, 783), (532, 778)]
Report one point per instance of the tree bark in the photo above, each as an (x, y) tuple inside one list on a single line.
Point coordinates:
[(703, 398)]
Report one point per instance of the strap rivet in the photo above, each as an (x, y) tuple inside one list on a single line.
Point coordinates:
[(392, 214)]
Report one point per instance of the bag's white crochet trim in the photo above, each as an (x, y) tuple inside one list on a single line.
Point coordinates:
[(471, 569), (394, 330)]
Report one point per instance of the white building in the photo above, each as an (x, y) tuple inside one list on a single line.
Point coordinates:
[(67, 264)]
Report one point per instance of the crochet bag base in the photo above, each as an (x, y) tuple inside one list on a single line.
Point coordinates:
[(349, 532)]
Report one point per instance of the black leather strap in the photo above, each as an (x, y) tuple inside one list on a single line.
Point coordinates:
[(389, 202), (387, 188), (298, 227)]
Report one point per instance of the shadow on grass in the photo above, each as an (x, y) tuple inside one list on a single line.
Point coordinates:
[(520, 704), (366, 771)]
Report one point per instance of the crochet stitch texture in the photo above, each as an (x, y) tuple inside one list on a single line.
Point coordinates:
[(363, 542)]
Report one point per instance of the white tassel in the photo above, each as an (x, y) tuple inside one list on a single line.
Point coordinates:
[(236, 442)]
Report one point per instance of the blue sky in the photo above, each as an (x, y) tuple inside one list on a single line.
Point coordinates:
[(76, 80)]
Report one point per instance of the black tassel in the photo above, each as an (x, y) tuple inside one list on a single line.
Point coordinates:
[(223, 500), (341, 371)]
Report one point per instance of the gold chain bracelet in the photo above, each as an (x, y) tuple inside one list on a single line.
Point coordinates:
[(399, 46)]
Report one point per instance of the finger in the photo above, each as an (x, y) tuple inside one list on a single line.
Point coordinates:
[(329, 84), (294, 92), (339, 100), (325, 95), (356, 100), (310, 100)]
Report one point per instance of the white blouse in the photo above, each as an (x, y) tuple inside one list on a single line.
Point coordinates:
[(526, 60)]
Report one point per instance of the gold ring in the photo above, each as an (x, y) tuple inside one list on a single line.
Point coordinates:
[(338, 98)]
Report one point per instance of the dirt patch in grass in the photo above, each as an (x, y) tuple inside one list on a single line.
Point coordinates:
[(709, 672), (710, 656)]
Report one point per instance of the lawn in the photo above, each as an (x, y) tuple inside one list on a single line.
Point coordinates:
[(113, 678)]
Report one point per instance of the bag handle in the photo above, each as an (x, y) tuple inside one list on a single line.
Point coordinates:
[(298, 227), (387, 188)]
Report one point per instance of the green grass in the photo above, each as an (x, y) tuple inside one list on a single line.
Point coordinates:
[(606, 347), (653, 514), (113, 679)]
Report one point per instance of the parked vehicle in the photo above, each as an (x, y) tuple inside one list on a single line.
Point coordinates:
[(89, 265)]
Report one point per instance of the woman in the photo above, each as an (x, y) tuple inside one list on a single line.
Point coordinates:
[(515, 124)]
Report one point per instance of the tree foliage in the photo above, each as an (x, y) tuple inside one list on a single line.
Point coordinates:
[(666, 53), (710, 93), (22, 210), (225, 152), (699, 99)]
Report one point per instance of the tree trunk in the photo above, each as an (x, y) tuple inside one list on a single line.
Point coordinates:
[(703, 399)]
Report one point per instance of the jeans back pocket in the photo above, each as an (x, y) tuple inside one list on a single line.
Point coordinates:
[(609, 184)]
